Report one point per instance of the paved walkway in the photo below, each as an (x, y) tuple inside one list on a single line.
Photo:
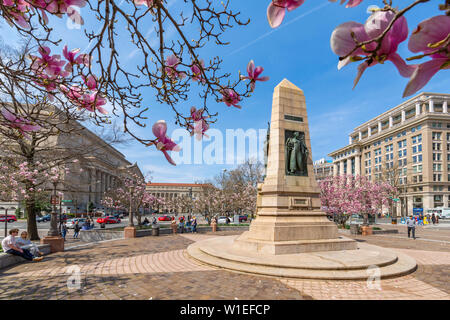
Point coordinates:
[(159, 268)]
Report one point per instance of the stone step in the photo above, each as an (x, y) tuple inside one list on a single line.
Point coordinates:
[(402, 266)]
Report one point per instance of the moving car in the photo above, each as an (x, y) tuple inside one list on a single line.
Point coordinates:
[(71, 222), (44, 218), (165, 218), (10, 218), (222, 220), (243, 218), (108, 220)]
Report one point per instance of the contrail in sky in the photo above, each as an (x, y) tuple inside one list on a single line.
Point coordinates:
[(282, 26)]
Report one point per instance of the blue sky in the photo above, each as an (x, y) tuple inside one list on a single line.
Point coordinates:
[(300, 51)]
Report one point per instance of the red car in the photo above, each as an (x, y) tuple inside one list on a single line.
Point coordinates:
[(108, 220), (165, 218), (11, 218)]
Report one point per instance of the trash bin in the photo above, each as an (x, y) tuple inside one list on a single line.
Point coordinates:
[(102, 225), (394, 221), (155, 230)]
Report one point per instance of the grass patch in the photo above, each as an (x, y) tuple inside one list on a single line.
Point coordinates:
[(376, 228)]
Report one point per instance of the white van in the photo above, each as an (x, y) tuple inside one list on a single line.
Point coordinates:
[(442, 213)]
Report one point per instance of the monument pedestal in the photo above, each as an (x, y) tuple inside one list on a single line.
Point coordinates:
[(291, 236), (56, 243)]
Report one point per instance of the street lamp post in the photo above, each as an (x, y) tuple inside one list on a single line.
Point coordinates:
[(53, 232), (6, 218)]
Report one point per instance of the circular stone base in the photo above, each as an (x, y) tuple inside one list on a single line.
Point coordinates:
[(330, 265)]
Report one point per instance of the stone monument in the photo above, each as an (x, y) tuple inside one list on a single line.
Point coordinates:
[(291, 236)]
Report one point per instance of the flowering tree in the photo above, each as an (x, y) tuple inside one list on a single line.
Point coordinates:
[(343, 196), (129, 194), (28, 182), (90, 79)]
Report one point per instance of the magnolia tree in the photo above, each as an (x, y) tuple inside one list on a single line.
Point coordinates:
[(343, 196), (168, 40), (28, 182), (130, 194)]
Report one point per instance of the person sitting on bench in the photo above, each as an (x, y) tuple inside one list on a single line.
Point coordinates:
[(25, 243), (9, 246)]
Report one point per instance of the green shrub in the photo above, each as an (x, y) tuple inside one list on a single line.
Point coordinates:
[(1, 249), (376, 228)]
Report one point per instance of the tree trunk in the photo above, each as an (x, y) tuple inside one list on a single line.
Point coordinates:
[(31, 219)]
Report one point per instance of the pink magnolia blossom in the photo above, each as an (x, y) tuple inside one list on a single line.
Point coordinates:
[(59, 7), (342, 42), (148, 3), (164, 143), (277, 10), (93, 102), (350, 4), (200, 124), (197, 71), (17, 10), (52, 65), (91, 82), (73, 60), (172, 63), (21, 124), (231, 98), (427, 38), (253, 74)]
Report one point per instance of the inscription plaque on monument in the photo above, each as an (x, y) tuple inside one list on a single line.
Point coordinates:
[(296, 153)]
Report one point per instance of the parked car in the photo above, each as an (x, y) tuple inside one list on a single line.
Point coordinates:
[(44, 218), (10, 218), (222, 220), (118, 215), (243, 218), (108, 220), (71, 222), (165, 218)]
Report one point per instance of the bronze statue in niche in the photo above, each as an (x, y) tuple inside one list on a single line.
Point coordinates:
[(296, 153)]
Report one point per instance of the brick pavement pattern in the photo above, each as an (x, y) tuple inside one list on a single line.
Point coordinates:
[(159, 268)]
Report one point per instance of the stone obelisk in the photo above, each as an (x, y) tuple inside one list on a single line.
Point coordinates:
[(291, 236), (289, 219)]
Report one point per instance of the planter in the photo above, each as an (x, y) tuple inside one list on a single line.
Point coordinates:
[(366, 230)]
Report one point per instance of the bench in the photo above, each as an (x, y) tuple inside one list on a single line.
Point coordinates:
[(7, 260)]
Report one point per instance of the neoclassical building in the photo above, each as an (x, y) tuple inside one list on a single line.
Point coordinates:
[(322, 169), (173, 191), (410, 141), (94, 167), (93, 174)]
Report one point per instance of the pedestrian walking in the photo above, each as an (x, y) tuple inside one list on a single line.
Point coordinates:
[(437, 219), (76, 229), (194, 225), (433, 218), (64, 230), (411, 224), (181, 224)]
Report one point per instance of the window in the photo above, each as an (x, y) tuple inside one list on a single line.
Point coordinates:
[(437, 177), (436, 146), (437, 167), (417, 139), (436, 124), (436, 135), (437, 156)]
